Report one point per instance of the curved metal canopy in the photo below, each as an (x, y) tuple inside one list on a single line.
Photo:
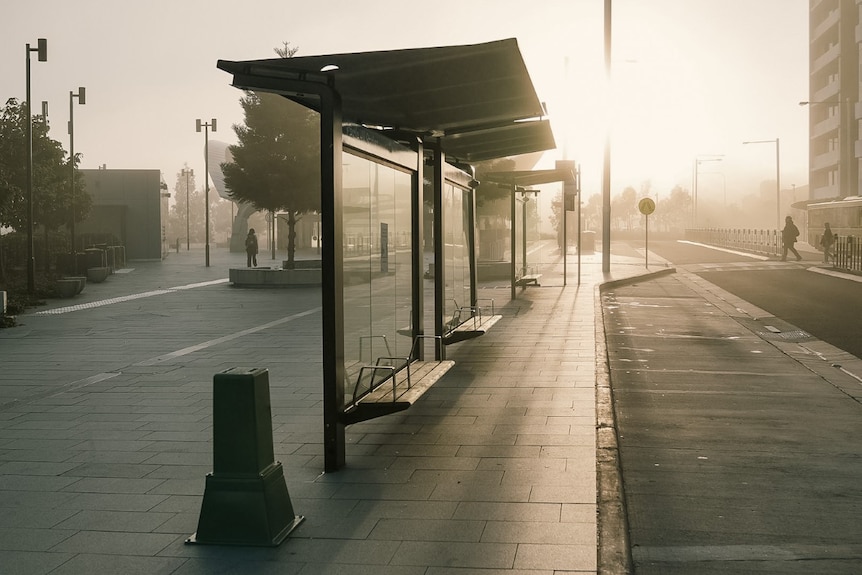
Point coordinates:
[(477, 100)]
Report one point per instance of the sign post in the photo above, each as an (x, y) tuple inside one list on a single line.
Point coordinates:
[(646, 207)]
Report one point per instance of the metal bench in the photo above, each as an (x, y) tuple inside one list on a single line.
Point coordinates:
[(391, 384), (528, 279)]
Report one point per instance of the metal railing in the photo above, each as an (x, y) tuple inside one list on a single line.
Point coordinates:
[(847, 253), (766, 242)]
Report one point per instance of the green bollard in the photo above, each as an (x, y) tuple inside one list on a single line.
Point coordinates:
[(245, 500)]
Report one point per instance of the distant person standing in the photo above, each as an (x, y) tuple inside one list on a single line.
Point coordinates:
[(788, 238), (826, 241), (251, 249)]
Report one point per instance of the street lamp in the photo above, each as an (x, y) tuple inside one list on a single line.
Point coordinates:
[(698, 160), (206, 126), (82, 99), (188, 172), (777, 177), (42, 49)]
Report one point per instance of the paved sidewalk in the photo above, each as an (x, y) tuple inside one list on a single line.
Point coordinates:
[(105, 434)]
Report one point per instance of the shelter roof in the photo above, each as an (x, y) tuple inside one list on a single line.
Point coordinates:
[(522, 178), (477, 99)]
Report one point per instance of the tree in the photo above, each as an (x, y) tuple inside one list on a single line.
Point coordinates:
[(51, 175), (276, 164)]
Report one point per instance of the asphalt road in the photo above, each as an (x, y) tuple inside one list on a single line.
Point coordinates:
[(736, 455)]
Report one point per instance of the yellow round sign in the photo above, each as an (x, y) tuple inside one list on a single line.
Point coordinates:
[(646, 206)]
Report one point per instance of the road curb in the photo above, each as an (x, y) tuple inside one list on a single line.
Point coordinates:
[(614, 550)]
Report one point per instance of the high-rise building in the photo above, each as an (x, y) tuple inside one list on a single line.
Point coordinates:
[(835, 44)]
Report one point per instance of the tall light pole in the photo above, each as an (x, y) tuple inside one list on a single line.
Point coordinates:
[(42, 49), (82, 99), (698, 160), (206, 126), (777, 177), (187, 172)]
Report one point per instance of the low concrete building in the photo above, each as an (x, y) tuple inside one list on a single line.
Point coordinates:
[(127, 211)]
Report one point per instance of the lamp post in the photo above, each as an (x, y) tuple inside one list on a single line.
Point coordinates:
[(82, 99), (698, 160), (42, 50), (777, 177), (188, 172), (206, 126)]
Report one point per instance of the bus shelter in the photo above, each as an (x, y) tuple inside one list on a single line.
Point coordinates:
[(399, 131), (519, 182)]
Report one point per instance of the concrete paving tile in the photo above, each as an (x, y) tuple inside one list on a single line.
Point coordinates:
[(114, 543), (93, 520), (118, 470), (466, 571), (179, 504), (576, 479), (181, 486), (35, 468), (108, 457), (427, 530), (408, 450), (83, 564), (180, 524), (25, 539), (531, 465), (507, 511), (577, 492), (403, 509), (180, 446), (448, 438), (578, 513), (31, 562), (35, 483), (33, 518), (179, 472), (113, 501), (557, 557), (237, 566), (35, 499), (503, 451), (434, 463), (371, 491), (182, 457), (485, 477), (490, 493), (323, 569), (581, 438), (454, 554), (114, 485), (543, 532)]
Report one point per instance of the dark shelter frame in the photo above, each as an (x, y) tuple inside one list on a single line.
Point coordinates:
[(448, 106)]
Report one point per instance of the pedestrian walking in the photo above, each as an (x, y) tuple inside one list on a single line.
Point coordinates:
[(251, 249), (826, 241), (788, 238)]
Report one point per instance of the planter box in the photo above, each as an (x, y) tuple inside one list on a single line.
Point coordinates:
[(267, 277)]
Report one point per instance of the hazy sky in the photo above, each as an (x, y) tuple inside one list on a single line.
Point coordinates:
[(690, 76)]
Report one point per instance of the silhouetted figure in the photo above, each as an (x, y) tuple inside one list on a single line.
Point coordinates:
[(251, 249), (788, 238), (826, 241)]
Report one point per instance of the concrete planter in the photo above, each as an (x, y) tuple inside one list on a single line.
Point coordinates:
[(267, 277), (68, 287), (98, 275)]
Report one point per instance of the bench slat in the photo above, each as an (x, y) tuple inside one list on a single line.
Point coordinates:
[(423, 374)]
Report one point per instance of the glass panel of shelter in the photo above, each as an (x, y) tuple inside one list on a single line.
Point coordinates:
[(377, 274)]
